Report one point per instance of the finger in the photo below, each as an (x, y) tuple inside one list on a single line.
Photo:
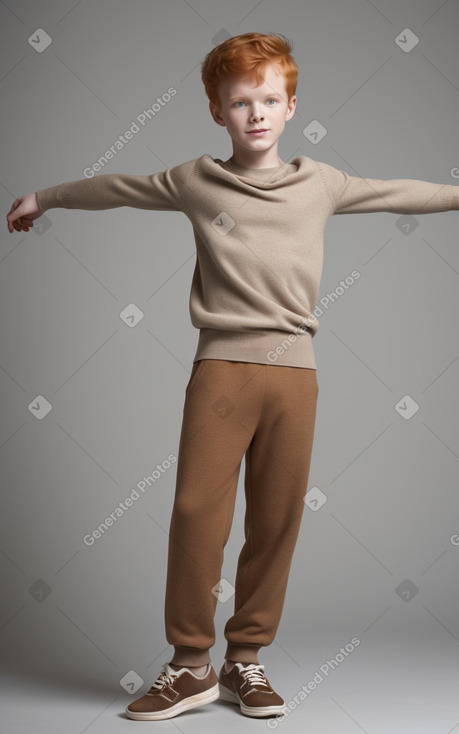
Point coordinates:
[(13, 215)]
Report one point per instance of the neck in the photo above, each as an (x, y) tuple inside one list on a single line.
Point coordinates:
[(256, 159)]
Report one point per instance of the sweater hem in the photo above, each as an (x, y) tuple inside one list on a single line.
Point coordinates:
[(264, 346)]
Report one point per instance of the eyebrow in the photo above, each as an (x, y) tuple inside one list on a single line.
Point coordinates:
[(242, 96)]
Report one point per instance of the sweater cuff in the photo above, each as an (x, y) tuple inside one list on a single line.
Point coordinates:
[(47, 198)]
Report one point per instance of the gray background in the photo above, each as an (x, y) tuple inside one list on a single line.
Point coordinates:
[(74, 619)]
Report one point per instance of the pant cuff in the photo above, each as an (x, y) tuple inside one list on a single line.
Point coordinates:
[(190, 656), (242, 653)]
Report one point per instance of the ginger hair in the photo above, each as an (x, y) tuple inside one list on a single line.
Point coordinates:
[(248, 53)]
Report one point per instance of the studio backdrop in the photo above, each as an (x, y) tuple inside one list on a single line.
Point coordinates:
[(97, 342)]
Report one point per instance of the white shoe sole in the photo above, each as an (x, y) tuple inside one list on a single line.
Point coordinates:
[(227, 695), (199, 699)]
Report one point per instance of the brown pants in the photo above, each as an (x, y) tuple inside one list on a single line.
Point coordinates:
[(266, 412)]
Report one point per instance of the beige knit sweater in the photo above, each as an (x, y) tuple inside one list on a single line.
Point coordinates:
[(259, 241)]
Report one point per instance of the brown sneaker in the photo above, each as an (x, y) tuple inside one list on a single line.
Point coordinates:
[(173, 692), (248, 686)]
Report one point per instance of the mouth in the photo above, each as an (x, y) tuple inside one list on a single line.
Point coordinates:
[(259, 131)]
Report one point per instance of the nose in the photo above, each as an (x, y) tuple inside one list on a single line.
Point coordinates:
[(256, 115)]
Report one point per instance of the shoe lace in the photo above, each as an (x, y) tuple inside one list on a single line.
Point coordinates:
[(255, 675), (163, 679)]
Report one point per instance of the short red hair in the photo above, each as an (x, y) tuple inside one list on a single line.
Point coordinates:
[(250, 52)]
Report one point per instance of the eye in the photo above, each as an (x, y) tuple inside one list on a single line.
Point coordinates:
[(272, 100), (238, 103)]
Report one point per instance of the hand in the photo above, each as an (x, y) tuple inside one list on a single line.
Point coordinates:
[(21, 215)]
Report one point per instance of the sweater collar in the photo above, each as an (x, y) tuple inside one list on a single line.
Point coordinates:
[(261, 174)]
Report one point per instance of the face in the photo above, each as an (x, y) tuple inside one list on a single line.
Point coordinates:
[(245, 107)]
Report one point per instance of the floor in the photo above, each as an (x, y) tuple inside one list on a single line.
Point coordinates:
[(394, 687)]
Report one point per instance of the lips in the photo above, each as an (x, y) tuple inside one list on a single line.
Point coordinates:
[(260, 130)]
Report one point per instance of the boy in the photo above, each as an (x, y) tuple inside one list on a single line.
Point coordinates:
[(258, 224)]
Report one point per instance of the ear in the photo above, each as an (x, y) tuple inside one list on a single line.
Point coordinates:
[(216, 114), (291, 108)]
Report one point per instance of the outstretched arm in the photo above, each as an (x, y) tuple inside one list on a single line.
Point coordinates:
[(165, 190), (351, 194)]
